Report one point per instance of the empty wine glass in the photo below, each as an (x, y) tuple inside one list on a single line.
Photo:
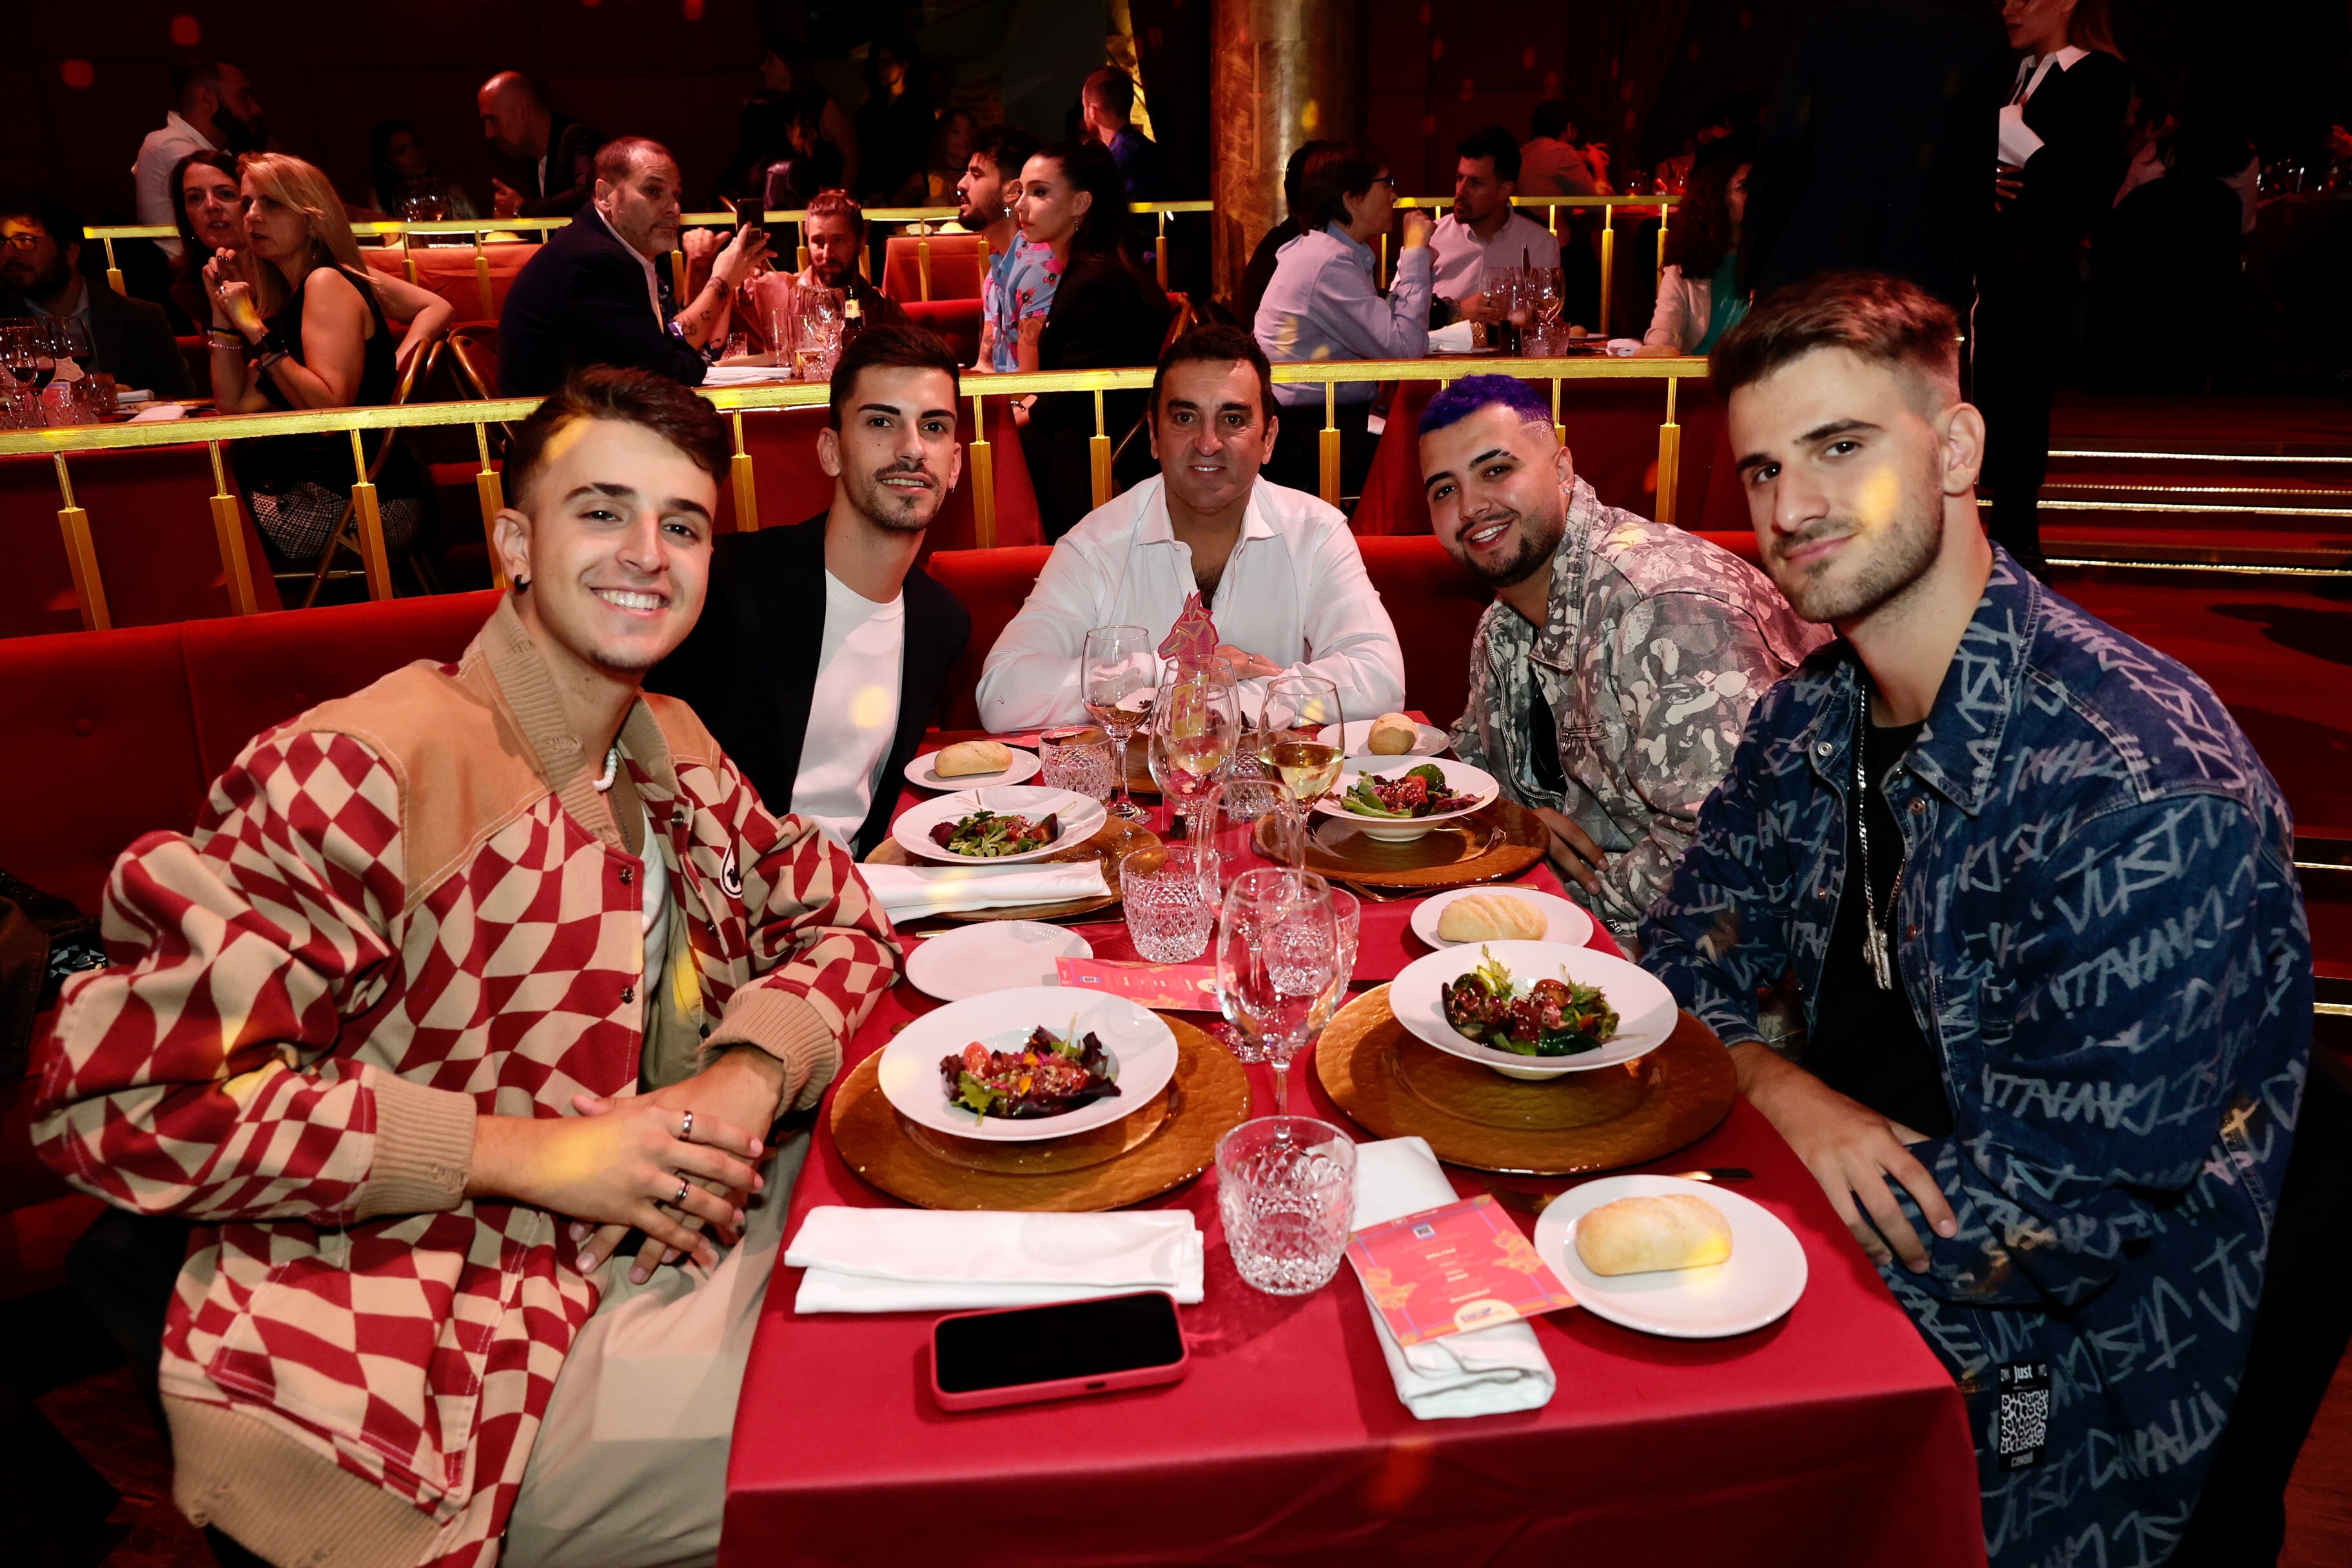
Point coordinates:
[(1115, 676), (1194, 728), (1289, 744), (1243, 825), (1347, 926), (1277, 945)]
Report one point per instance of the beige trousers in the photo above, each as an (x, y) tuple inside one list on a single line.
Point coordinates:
[(630, 1467)]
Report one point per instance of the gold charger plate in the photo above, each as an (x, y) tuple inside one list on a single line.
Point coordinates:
[(1500, 840), (1397, 1086), (1113, 842), (1169, 1140)]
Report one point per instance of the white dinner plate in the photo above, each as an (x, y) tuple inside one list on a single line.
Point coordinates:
[(1080, 819), (1756, 1284), (1646, 1008), (1351, 738), (1023, 768), (992, 955), (1460, 778), (1141, 1047), (1569, 926)]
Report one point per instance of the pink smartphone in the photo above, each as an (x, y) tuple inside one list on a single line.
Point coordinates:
[(1019, 1355)]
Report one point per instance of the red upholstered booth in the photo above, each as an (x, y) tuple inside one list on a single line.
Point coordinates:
[(955, 266), (957, 321), (151, 520), (449, 272), (791, 486)]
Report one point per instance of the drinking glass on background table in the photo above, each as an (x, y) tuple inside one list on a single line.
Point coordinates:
[(1286, 1190), (1116, 677), (1195, 729), (1251, 824), (1294, 711), (1277, 943), (1077, 759), (1168, 915)]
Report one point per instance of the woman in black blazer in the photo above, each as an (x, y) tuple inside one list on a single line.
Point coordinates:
[(1106, 314), (2062, 158)]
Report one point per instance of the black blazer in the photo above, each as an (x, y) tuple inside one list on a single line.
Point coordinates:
[(131, 340), (582, 300), (2070, 183), (1879, 151), (570, 182), (748, 668)]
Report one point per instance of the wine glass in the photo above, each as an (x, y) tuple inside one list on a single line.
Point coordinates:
[(1296, 709), (1548, 291), (1116, 675), (1189, 739), (71, 338), (1347, 925), (1243, 825), (29, 356), (1277, 945)]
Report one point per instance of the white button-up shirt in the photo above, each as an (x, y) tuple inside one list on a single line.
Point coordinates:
[(1294, 591), (1321, 304), (653, 279), (163, 150), (1463, 258)]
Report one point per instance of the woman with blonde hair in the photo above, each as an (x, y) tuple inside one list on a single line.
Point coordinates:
[(297, 322)]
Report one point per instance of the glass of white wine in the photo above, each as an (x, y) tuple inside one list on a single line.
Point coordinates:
[(1116, 675), (1288, 741), (1195, 729)]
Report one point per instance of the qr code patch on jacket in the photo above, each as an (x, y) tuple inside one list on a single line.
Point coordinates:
[(2024, 1422)]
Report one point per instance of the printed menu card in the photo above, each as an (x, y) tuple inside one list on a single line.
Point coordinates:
[(1449, 1270)]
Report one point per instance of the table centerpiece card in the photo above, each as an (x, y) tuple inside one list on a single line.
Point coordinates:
[(1180, 987), (1453, 1269)]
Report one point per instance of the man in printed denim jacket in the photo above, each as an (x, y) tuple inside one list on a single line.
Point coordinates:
[(2095, 949)]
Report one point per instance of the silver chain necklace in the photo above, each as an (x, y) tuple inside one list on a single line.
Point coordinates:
[(1874, 934)]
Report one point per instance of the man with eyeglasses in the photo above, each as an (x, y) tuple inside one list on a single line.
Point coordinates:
[(41, 276)]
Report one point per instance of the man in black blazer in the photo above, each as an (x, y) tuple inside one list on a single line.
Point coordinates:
[(560, 150), (597, 292), (1877, 152), (41, 275), (818, 659)]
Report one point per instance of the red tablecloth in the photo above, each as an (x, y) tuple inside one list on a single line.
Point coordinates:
[(1830, 1436)]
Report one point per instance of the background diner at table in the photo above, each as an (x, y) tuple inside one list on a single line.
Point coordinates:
[(1077, 784)]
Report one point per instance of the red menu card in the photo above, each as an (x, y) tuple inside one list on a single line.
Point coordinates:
[(1450, 1269), (1175, 987)]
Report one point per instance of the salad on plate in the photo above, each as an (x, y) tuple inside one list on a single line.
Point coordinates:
[(987, 834), (1046, 1076), (1550, 1018), (1419, 792)]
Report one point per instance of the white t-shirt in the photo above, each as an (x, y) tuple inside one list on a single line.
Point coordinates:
[(853, 711)]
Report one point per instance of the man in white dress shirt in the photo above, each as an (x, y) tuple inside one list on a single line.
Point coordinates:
[(214, 109), (1277, 568), (1483, 230)]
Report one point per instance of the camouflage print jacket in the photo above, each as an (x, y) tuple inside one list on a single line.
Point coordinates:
[(2098, 928), (1656, 646)]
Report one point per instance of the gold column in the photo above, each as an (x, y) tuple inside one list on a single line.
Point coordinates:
[(984, 476), (1670, 456), (1099, 453), (1280, 72), (228, 532), (747, 498), (481, 279), (82, 555), (371, 515), (490, 492)]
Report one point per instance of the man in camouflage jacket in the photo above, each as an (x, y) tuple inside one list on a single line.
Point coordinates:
[(2095, 943), (380, 1025), (1645, 647)]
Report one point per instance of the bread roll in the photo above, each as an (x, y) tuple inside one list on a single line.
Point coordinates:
[(1393, 735), (1492, 917), (971, 757), (1637, 1236)]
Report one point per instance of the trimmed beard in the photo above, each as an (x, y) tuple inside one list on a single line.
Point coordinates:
[(1533, 557), (1903, 556), (883, 507)]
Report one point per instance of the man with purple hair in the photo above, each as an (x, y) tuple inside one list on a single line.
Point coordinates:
[(1610, 679)]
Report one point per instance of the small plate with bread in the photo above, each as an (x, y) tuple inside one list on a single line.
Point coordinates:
[(1684, 1259), (1390, 735), (1492, 914), (969, 764)]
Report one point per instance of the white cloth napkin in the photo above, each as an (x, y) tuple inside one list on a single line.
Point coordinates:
[(1453, 338), (744, 374), (911, 891), (1624, 348), (159, 412), (1479, 1374), (923, 1261), (2019, 140)]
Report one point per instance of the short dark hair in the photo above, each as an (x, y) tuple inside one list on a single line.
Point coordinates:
[(1492, 142), (1294, 173), (835, 201), (1552, 117), (641, 397), (1334, 172), (1457, 401), (1886, 319), (616, 160), (1215, 344), (60, 221), (1115, 88), (1006, 146), (890, 348), (186, 79)]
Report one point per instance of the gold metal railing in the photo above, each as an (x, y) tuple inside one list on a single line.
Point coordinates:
[(73, 521)]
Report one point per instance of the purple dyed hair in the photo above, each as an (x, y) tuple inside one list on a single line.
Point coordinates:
[(1465, 398)]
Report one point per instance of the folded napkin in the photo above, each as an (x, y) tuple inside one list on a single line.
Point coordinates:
[(743, 374), (1478, 1374), (1453, 338), (1624, 348), (922, 1261), (908, 892), (160, 411)]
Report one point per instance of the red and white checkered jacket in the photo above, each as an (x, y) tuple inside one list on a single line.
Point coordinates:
[(398, 911)]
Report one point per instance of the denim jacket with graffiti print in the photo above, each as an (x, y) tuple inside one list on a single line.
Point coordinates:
[(2098, 928)]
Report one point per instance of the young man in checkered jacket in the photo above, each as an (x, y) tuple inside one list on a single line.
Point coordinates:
[(458, 982)]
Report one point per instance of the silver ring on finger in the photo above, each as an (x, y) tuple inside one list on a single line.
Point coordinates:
[(686, 1131), (679, 1201)]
